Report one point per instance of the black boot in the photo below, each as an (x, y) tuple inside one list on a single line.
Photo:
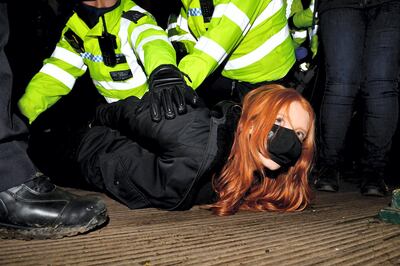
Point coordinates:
[(373, 184), (39, 210), (327, 179)]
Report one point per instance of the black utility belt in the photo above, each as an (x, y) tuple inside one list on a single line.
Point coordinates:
[(239, 83)]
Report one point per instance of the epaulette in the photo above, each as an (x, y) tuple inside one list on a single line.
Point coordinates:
[(74, 40), (133, 15)]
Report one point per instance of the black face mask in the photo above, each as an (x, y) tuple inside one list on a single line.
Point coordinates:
[(284, 146), (90, 14)]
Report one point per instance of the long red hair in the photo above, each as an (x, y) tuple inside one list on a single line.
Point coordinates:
[(237, 186)]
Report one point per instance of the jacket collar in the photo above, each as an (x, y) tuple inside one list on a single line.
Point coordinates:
[(112, 18)]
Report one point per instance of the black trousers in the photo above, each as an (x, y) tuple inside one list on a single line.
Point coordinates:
[(15, 165)]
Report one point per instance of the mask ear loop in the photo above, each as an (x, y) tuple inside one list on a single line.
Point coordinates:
[(271, 134)]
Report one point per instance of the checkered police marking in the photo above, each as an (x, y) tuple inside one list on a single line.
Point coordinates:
[(193, 12), (91, 57), (99, 58)]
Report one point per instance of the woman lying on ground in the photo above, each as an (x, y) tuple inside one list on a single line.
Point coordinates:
[(271, 156), (251, 157)]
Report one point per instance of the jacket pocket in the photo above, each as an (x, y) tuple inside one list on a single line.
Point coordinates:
[(118, 183)]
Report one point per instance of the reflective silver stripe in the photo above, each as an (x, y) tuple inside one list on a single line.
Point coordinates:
[(288, 8), (312, 6), (183, 26), (211, 48), (219, 10), (139, 29), (273, 7), (63, 76), (182, 22), (138, 73), (128, 84), (111, 100), (260, 52), (314, 31), (172, 26), (301, 34), (237, 16), (126, 49), (139, 49), (69, 57), (185, 37)]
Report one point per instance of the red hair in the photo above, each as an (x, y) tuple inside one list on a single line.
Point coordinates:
[(237, 186)]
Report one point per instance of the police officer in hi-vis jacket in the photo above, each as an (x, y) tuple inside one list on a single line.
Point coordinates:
[(236, 45)]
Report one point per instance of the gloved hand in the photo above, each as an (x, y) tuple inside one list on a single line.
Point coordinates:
[(167, 88)]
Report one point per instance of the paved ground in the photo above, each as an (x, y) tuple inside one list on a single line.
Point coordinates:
[(338, 229)]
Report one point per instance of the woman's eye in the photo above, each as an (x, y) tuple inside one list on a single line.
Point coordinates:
[(279, 121), (300, 135)]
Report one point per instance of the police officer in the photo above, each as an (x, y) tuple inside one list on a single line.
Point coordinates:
[(303, 25), (30, 205), (244, 43), (122, 46)]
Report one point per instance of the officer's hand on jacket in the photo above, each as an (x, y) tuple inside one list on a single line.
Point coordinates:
[(167, 88)]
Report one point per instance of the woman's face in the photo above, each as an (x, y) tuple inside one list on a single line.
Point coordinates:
[(296, 119)]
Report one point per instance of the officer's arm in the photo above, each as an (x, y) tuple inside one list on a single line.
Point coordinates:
[(179, 34), (55, 79), (228, 26), (149, 41), (304, 18)]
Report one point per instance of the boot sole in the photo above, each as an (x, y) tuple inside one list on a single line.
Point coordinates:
[(52, 233)]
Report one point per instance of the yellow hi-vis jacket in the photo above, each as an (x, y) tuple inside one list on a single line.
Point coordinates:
[(250, 39), (138, 38), (303, 23)]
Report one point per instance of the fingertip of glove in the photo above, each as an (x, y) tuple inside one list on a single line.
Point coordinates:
[(169, 116), (156, 119), (155, 116)]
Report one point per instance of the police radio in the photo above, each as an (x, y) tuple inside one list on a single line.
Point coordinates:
[(108, 44)]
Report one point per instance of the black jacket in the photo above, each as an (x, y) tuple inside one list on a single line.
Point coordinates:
[(167, 165)]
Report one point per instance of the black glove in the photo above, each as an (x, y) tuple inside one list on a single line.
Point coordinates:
[(167, 88), (118, 115)]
